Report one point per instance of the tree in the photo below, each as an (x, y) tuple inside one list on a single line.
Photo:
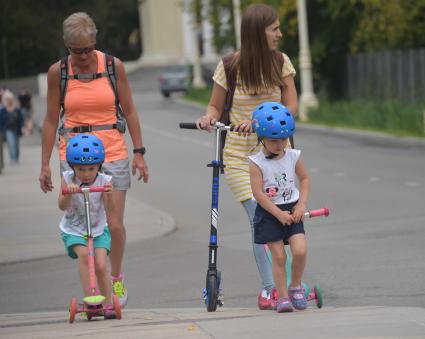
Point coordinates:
[(34, 41)]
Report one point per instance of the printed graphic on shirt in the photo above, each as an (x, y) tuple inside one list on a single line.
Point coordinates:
[(283, 188)]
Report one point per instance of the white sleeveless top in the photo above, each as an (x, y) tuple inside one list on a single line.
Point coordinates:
[(74, 220), (279, 176)]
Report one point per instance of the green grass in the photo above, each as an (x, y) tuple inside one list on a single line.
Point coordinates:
[(200, 96), (389, 116)]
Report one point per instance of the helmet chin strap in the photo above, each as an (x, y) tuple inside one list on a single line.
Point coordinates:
[(271, 155)]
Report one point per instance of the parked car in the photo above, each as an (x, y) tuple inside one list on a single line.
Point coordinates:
[(174, 79)]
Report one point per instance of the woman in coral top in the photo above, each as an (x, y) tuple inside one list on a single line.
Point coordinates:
[(89, 105)]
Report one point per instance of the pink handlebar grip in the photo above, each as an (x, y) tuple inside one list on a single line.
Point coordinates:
[(91, 190), (317, 213)]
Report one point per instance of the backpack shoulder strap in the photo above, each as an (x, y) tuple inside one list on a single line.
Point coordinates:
[(231, 86), (110, 69), (63, 80)]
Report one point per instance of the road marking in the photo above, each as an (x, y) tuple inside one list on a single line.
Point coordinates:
[(340, 174), (413, 184), (374, 179)]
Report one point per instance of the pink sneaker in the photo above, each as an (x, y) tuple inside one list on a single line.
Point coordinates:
[(284, 305), (264, 301), (274, 297)]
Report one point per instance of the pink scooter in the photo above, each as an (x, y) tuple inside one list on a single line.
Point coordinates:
[(316, 294), (92, 305)]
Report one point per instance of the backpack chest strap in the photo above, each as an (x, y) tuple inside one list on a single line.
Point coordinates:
[(88, 76), (87, 128)]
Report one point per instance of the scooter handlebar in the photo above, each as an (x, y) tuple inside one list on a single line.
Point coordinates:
[(217, 125), (91, 189), (188, 125), (317, 213)]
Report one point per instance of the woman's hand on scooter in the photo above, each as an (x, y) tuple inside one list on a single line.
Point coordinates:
[(205, 122), (243, 128)]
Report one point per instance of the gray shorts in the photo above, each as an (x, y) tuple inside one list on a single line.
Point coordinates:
[(118, 169)]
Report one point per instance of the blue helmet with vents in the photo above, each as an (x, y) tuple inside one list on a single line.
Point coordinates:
[(273, 120), (85, 149)]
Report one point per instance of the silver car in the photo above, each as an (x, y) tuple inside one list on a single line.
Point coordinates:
[(174, 79)]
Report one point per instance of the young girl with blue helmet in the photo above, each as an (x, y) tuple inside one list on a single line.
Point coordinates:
[(85, 154), (278, 219)]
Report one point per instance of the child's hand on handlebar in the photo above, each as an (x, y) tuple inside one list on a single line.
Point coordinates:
[(73, 188), (298, 212), (205, 122), (285, 218), (109, 188)]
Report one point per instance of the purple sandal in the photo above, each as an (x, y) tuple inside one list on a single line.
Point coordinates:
[(284, 305), (297, 296)]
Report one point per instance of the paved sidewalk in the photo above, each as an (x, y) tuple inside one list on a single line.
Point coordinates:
[(29, 218), (327, 323)]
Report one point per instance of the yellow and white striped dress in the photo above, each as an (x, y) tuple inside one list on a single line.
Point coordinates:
[(238, 148)]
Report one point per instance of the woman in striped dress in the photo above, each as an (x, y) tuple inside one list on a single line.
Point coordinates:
[(259, 79)]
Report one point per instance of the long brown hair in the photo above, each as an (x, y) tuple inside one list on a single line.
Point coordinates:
[(257, 65)]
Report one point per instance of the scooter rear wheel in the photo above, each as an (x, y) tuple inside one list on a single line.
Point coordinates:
[(72, 310), (319, 295), (117, 307)]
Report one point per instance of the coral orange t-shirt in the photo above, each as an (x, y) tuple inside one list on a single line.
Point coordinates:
[(93, 103)]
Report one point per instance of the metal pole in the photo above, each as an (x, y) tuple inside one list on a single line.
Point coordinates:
[(237, 22), (198, 82), (308, 98)]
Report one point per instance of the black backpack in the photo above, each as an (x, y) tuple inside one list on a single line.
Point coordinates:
[(120, 125)]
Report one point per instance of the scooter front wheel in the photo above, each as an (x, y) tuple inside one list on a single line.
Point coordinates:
[(72, 310), (212, 291)]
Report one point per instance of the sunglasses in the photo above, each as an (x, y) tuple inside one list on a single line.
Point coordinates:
[(84, 50)]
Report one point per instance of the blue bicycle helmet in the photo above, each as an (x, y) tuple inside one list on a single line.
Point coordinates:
[(85, 149), (273, 120)]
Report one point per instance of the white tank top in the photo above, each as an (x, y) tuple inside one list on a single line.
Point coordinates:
[(279, 176), (74, 220)]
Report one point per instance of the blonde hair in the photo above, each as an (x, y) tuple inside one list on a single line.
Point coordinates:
[(78, 26)]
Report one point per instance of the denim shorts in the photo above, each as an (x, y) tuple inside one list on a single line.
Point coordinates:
[(70, 240), (267, 228), (118, 169)]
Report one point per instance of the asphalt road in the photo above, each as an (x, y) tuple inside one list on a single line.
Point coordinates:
[(369, 251)]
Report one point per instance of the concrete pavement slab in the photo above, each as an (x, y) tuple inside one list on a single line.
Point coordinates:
[(355, 322)]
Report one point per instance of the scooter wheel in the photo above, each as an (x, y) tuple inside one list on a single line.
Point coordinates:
[(117, 307), (212, 292), (72, 310), (319, 295)]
